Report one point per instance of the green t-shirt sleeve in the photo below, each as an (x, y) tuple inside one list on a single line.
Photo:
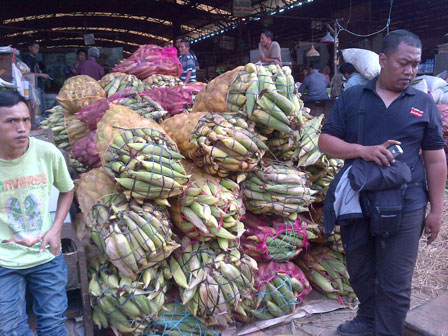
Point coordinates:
[(62, 179)]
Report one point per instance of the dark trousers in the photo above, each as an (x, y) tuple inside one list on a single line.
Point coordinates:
[(381, 271)]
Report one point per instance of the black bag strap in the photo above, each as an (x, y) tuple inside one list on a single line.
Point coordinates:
[(361, 117)]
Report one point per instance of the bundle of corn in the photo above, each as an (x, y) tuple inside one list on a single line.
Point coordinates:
[(144, 160), (128, 305), (85, 151), (76, 165), (161, 81), (322, 173), (277, 189), (307, 153), (218, 143), (175, 319), (66, 128), (332, 240), (79, 91), (133, 236), (117, 81), (213, 283), (280, 288), (274, 237), (326, 271), (55, 122), (210, 209)]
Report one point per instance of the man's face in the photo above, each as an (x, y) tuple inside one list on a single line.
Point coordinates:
[(183, 49), (264, 40), (398, 70), (177, 43), (34, 49), (81, 57), (15, 126)]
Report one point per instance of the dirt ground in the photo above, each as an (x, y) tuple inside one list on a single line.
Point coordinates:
[(430, 280)]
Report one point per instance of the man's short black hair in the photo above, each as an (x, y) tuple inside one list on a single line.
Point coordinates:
[(180, 37), (30, 43), (11, 98), (347, 68), (395, 37), (268, 34), (80, 51), (315, 65)]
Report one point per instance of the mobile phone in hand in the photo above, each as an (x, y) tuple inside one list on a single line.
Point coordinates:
[(395, 150)]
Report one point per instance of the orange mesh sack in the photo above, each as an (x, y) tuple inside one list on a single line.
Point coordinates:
[(78, 92)]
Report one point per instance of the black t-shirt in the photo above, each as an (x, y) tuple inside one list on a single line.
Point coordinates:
[(413, 119), (32, 63)]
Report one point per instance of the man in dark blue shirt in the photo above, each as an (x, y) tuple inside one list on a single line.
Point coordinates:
[(314, 86), (395, 113)]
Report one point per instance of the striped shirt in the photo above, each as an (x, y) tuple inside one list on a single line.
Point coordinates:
[(188, 64)]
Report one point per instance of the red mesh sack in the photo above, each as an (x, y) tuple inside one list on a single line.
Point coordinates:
[(85, 151), (151, 59)]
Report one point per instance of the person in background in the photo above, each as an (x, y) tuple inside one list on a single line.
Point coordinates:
[(90, 66), (337, 84), (177, 41), (70, 70), (351, 75), (314, 87), (30, 241), (30, 59), (304, 75), (326, 72), (187, 61), (270, 51), (395, 113)]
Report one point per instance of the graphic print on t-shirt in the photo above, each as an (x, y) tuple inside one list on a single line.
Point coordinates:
[(22, 202)]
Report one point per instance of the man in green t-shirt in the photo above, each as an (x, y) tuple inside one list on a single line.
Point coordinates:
[(30, 241)]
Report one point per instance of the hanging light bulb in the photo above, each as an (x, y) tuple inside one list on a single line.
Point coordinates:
[(312, 52), (327, 38)]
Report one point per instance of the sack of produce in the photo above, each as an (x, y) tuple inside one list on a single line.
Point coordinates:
[(129, 305), (326, 271), (210, 209), (134, 236), (277, 189), (79, 91), (137, 101), (420, 84), (175, 319), (176, 99), (117, 81), (218, 143), (161, 81), (213, 283), (85, 151), (274, 237), (433, 82), (151, 59), (280, 288), (265, 94), (366, 62), (140, 156)]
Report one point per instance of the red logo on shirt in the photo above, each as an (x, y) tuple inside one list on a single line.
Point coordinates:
[(416, 112)]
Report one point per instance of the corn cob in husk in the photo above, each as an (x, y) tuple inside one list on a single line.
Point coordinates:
[(126, 304), (79, 91), (218, 143), (118, 81), (210, 209), (213, 283), (327, 272), (139, 155), (277, 189), (161, 81), (281, 287), (175, 319)]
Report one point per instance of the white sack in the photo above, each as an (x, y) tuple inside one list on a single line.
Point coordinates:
[(366, 62), (420, 85), (433, 82)]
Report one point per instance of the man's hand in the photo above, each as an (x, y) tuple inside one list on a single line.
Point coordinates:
[(432, 226), (52, 238), (44, 75), (379, 154)]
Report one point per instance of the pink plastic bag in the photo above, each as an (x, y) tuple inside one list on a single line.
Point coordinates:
[(85, 151), (151, 59), (177, 98)]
